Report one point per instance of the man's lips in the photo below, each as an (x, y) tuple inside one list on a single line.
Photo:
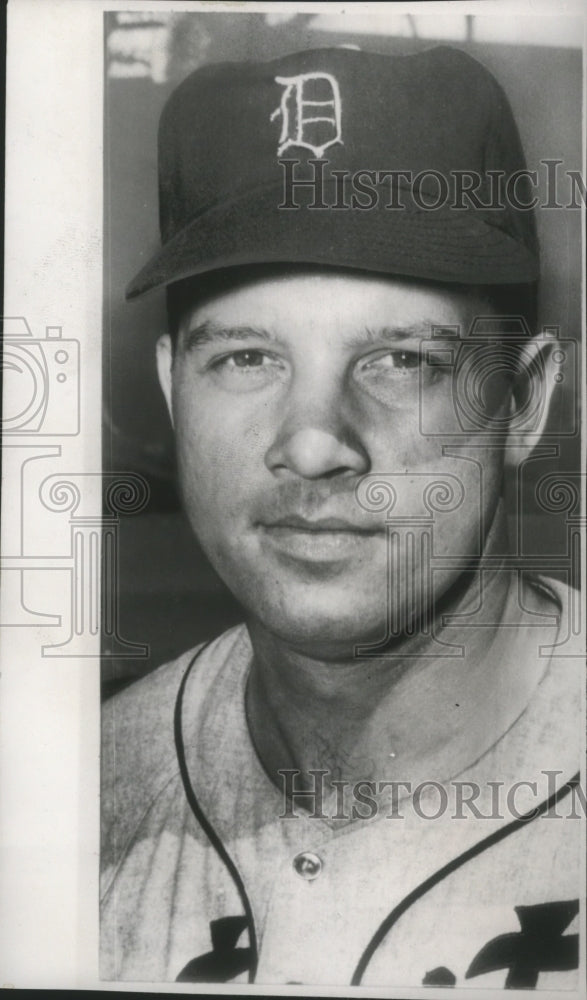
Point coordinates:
[(318, 541), (322, 525)]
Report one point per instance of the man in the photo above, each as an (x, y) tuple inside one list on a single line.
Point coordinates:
[(359, 785)]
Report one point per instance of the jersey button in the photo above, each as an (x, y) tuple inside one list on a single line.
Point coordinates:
[(307, 865)]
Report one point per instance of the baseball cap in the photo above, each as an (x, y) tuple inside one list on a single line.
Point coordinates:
[(346, 158)]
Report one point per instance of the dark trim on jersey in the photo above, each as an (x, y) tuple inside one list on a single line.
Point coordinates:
[(429, 883), (206, 825), (398, 911)]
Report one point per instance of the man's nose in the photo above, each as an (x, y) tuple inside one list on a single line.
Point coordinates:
[(316, 439)]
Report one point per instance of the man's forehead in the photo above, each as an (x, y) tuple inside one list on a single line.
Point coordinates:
[(259, 298), (281, 286)]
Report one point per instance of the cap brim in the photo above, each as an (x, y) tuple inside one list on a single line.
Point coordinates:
[(439, 245)]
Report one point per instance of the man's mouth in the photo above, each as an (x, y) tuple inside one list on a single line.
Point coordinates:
[(324, 539), (296, 522)]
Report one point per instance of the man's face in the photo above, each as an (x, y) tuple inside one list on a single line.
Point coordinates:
[(286, 390)]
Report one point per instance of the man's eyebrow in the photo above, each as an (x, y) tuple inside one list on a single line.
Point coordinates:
[(209, 332), (421, 330)]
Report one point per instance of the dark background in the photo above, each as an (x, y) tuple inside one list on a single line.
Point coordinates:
[(169, 598)]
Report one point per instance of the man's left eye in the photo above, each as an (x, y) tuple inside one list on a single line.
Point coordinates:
[(393, 360)]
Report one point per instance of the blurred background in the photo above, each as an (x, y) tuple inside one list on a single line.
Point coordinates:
[(169, 596)]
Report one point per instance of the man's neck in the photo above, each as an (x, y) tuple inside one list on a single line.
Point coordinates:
[(410, 716)]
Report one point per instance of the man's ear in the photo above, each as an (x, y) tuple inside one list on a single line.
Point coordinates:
[(531, 396), (165, 370)]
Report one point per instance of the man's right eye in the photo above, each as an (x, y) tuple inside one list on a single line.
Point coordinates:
[(247, 359), (250, 367)]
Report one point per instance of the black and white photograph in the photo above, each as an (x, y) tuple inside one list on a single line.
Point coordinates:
[(295, 533)]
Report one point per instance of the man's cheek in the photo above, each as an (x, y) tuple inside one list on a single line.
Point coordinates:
[(213, 479), (405, 452)]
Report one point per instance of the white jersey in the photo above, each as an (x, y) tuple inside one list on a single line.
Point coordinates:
[(210, 875)]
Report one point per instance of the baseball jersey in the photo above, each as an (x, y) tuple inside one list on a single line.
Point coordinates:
[(210, 874)]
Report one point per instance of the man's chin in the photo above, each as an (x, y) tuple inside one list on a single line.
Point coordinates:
[(327, 633), (327, 605)]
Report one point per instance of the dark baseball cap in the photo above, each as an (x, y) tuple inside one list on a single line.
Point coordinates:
[(237, 141)]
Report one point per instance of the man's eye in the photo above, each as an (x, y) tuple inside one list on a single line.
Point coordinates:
[(250, 359), (249, 368), (401, 361), (243, 359)]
